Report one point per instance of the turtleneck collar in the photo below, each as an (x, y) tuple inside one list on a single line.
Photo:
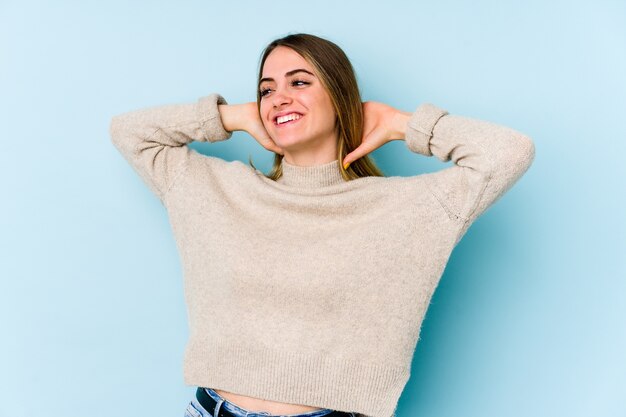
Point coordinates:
[(313, 176)]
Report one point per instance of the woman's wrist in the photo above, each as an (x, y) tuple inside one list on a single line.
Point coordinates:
[(232, 116), (399, 124), (237, 116), (226, 114)]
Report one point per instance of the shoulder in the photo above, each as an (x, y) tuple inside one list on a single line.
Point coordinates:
[(200, 161)]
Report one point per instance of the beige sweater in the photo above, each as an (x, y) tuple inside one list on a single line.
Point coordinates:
[(312, 289)]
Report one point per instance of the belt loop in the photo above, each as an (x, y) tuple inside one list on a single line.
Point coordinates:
[(216, 412)]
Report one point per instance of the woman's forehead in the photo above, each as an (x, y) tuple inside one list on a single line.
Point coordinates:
[(282, 60)]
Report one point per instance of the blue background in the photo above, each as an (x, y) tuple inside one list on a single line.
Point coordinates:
[(529, 317)]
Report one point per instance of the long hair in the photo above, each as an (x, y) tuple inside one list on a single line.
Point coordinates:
[(337, 76)]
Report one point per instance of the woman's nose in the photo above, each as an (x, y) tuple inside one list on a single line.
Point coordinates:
[(279, 98)]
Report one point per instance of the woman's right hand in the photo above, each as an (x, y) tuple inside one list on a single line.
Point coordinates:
[(246, 117)]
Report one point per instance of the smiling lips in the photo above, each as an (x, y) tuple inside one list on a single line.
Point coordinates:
[(287, 119)]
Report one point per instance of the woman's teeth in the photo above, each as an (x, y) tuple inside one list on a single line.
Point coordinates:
[(287, 118)]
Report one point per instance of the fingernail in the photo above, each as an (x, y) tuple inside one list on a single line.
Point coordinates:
[(345, 166)]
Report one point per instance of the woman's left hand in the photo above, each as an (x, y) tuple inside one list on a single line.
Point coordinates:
[(381, 124)]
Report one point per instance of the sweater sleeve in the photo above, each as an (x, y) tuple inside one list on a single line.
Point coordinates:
[(153, 140), (488, 158)]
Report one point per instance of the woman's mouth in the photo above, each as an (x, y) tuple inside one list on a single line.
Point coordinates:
[(287, 119)]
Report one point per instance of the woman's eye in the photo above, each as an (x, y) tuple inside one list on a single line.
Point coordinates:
[(265, 91)]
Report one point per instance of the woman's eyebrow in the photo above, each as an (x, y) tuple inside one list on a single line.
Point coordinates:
[(288, 74)]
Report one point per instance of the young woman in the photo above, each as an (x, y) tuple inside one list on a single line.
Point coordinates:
[(306, 287)]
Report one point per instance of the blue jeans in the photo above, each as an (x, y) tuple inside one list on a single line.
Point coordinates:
[(194, 409)]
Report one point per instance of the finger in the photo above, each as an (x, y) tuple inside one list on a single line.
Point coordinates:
[(355, 154), (267, 142), (370, 143), (270, 145)]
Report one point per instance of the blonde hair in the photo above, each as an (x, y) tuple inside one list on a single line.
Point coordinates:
[(338, 78)]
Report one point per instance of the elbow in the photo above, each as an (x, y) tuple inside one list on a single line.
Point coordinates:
[(521, 155), (114, 129), (118, 130), (527, 150), (121, 136)]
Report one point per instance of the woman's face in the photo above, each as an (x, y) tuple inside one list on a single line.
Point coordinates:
[(290, 87)]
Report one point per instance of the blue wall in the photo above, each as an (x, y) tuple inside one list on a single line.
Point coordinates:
[(528, 319)]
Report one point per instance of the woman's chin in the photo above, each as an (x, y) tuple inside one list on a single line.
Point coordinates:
[(285, 144)]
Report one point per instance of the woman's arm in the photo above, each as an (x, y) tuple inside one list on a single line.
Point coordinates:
[(153, 140), (246, 117), (488, 158)]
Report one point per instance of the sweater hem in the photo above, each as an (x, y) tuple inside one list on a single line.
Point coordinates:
[(318, 380)]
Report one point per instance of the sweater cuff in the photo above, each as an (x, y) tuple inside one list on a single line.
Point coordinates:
[(420, 128), (210, 120)]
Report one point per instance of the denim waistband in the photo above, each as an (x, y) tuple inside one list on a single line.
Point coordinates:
[(242, 412)]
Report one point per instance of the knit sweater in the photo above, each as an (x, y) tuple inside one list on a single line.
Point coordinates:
[(312, 289)]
